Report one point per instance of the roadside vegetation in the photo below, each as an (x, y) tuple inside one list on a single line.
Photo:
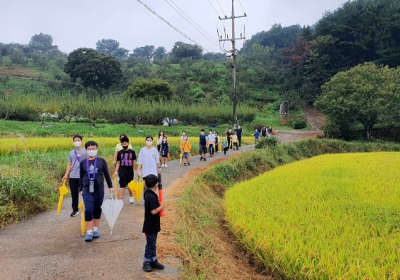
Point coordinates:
[(201, 204)]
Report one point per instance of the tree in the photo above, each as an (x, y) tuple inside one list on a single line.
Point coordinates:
[(94, 69), (146, 53), (159, 54), (181, 51), (364, 94), (154, 89), (111, 47), (42, 43)]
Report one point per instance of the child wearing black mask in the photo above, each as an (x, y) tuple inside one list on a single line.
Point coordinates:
[(126, 160)]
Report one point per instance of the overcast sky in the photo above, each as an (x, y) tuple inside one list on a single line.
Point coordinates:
[(81, 23)]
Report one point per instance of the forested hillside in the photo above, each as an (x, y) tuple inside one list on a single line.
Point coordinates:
[(282, 64)]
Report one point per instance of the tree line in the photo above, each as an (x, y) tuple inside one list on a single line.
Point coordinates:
[(284, 64)]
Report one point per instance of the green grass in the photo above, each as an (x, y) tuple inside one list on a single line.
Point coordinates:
[(272, 118), (60, 129)]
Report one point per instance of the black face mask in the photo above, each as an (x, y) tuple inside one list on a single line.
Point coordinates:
[(125, 147)]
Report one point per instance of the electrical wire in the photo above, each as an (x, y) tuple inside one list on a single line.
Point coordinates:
[(221, 8), (176, 29), (254, 12), (213, 8), (187, 18)]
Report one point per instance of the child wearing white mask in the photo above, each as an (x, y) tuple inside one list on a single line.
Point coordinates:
[(74, 159), (93, 171), (148, 160)]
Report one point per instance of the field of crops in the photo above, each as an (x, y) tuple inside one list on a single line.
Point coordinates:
[(10, 146), (329, 217), (31, 170)]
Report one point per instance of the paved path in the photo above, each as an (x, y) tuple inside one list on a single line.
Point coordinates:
[(47, 246)]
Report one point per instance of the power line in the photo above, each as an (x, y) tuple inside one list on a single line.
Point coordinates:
[(221, 8), (176, 29), (213, 8), (204, 33)]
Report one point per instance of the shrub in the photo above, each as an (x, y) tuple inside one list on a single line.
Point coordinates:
[(267, 142), (299, 124)]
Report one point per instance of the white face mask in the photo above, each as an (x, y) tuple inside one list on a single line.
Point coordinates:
[(92, 153), (149, 143), (77, 143)]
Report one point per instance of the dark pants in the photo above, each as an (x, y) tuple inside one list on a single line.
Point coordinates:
[(211, 149), (74, 187), (93, 202), (240, 141), (150, 251)]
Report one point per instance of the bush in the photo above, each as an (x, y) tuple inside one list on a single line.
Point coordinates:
[(267, 142), (299, 124)]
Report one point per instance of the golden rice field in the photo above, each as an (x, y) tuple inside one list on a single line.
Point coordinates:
[(14, 145), (329, 217)]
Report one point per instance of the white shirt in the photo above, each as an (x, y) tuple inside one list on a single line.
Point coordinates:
[(211, 138), (149, 159)]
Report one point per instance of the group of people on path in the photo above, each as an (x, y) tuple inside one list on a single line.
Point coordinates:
[(87, 172), (265, 132)]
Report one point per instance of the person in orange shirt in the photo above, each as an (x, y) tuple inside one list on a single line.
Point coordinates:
[(186, 149)]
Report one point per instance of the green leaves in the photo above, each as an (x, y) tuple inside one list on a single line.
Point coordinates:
[(94, 69), (364, 94)]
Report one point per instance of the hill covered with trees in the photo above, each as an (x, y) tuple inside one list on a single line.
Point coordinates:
[(283, 64)]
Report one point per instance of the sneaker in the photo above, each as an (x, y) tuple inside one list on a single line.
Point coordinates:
[(188, 163), (201, 158), (162, 165), (184, 164), (131, 200), (147, 267), (165, 165), (204, 159), (156, 265), (96, 234), (74, 213), (89, 237)]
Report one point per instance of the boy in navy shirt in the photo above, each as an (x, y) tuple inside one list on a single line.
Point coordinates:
[(93, 170), (151, 225)]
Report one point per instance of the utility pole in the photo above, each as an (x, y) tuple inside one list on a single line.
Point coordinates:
[(233, 55)]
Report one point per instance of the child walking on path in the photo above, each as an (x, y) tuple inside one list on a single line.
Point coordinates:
[(203, 143), (235, 141), (148, 160), (126, 160), (74, 159), (93, 170), (211, 143), (186, 148), (224, 143), (118, 148), (151, 224), (164, 152)]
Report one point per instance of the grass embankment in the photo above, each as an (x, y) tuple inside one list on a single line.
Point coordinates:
[(329, 217), (201, 203)]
